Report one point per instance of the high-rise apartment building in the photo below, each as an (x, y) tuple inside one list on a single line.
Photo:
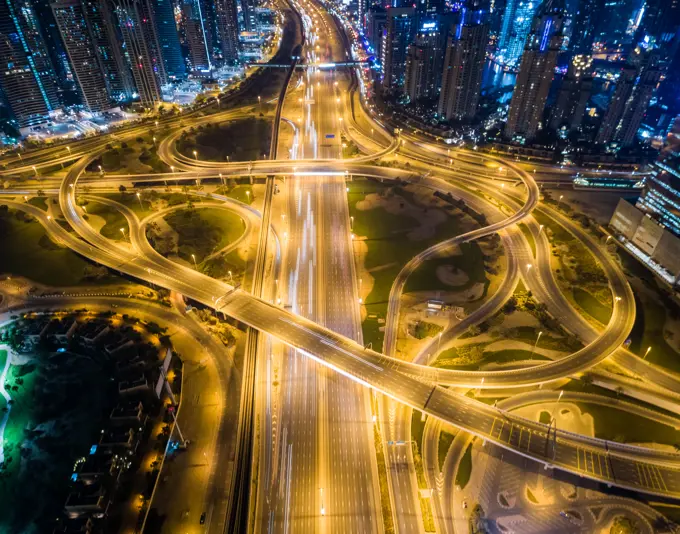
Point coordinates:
[(27, 77), (168, 39), (514, 30), (584, 26), (421, 56), (464, 60), (574, 94), (634, 90), (536, 71), (376, 20), (196, 41), (142, 47), (399, 32), (227, 28), (102, 25), (75, 33)]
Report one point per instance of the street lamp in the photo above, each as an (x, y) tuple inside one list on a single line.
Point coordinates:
[(195, 155), (122, 231), (69, 150), (533, 350), (139, 197), (35, 170), (647, 352), (248, 195), (193, 257), (231, 278), (529, 266)]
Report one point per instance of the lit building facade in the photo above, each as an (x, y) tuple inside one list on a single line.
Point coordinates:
[(573, 96), (536, 72), (399, 32), (27, 77), (463, 68), (168, 39), (515, 27), (102, 25), (650, 229), (634, 90), (74, 29), (227, 28), (142, 49), (422, 62)]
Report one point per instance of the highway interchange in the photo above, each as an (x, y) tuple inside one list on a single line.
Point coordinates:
[(322, 474)]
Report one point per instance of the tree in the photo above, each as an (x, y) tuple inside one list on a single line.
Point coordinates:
[(122, 189), (41, 193), (587, 380)]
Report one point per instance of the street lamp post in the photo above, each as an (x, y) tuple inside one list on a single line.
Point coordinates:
[(193, 257), (647, 353), (533, 350), (122, 231), (195, 155), (139, 197)]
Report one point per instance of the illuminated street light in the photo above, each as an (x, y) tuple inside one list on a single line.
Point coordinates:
[(195, 155), (193, 257), (647, 352), (122, 231)]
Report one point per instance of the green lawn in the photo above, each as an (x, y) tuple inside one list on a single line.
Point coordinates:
[(242, 193), (29, 252), (617, 425), (529, 236), (204, 231), (115, 220), (464, 468), (445, 440), (239, 140), (388, 248), (140, 205), (417, 428), (470, 358), (591, 305), (40, 202), (648, 331)]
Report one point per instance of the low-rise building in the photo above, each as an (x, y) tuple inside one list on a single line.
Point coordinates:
[(650, 229), (88, 501)]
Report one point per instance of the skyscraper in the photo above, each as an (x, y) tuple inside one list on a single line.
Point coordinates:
[(514, 30), (227, 28), (536, 71), (142, 48), (199, 54), (574, 94), (376, 20), (27, 78), (399, 32), (101, 22), (168, 40), (463, 67), (70, 17), (634, 90), (420, 62), (662, 19), (584, 26)]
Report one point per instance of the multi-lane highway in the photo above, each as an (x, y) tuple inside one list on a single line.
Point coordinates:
[(323, 475)]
